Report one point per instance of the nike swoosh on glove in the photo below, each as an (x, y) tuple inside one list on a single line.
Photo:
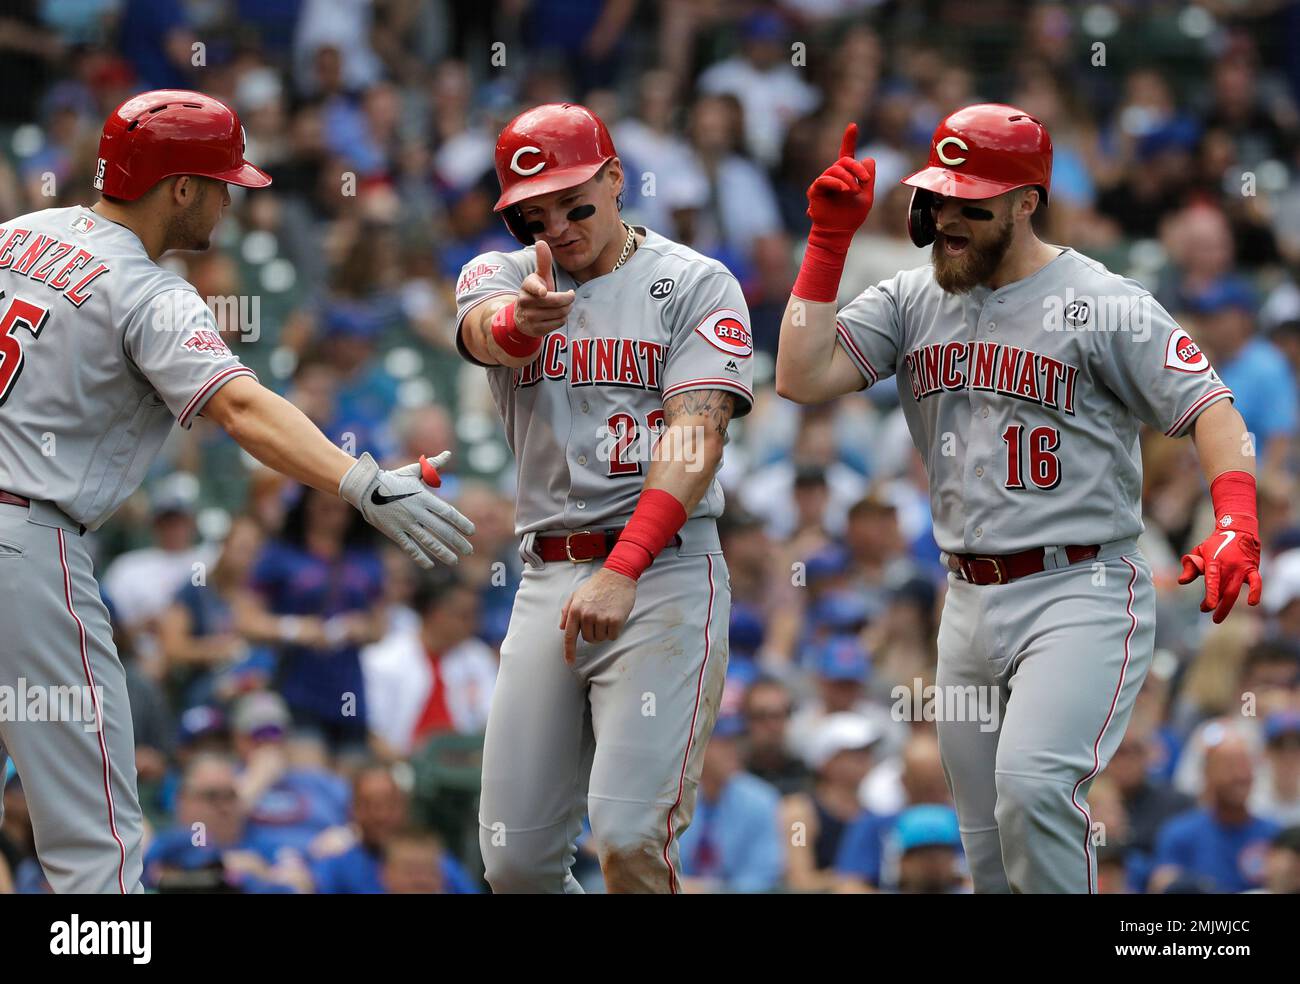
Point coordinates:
[(1228, 559), (400, 504)]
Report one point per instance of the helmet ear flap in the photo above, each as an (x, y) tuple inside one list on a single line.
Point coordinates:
[(514, 219), (920, 217)]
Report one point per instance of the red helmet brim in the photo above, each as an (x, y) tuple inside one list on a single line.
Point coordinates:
[(953, 184), (246, 176), (547, 182)]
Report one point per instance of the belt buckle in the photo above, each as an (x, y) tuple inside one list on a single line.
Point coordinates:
[(568, 549), (999, 567)]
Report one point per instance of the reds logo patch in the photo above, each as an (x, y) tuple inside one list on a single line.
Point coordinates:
[(1183, 354), (475, 275), (207, 341), (517, 166), (725, 330)]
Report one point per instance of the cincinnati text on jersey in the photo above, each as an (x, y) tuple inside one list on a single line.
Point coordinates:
[(1016, 372), (633, 363), (45, 255)]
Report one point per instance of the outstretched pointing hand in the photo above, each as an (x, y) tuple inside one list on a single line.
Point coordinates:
[(539, 308)]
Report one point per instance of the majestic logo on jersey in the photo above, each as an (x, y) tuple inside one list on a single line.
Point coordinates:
[(632, 363), (208, 342), (940, 152), (519, 168), (475, 275), (725, 329), (83, 223), (988, 366), (662, 288), (731, 367), (1183, 354)]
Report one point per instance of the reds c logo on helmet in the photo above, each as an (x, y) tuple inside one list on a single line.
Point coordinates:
[(546, 149), (941, 146), (998, 148), (526, 171)]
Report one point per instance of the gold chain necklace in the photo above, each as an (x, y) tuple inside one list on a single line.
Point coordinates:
[(627, 246)]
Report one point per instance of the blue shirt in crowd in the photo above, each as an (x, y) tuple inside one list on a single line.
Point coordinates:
[(175, 848), (1263, 390), (301, 804), (357, 872), (296, 582), (1230, 858), (863, 846), (737, 838)]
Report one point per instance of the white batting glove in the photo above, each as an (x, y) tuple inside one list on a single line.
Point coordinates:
[(400, 505)]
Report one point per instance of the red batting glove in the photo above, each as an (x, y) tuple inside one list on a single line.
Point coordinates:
[(1228, 557), (839, 201)]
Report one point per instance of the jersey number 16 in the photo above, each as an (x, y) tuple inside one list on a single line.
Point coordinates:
[(1044, 465)]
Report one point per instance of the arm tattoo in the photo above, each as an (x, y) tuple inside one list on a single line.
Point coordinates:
[(716, 406)]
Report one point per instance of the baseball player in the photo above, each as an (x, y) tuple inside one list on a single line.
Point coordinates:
[(100, 349), (1024, 371), (616, 359)]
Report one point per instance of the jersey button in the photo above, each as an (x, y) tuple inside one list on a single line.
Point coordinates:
[(979, 471), (992, 325), (580, 504), (585, 408), (582, 459), (986, 411), (979, 531)]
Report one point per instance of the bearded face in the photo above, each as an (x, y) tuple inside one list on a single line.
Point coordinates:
[(966, 253), (191, 228)]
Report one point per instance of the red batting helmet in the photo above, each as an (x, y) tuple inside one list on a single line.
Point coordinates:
[(979, 152), (546, 149), (159, 134)]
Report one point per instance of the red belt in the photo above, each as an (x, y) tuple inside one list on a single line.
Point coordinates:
[(1001, 568), (580, 546), (9, 499)]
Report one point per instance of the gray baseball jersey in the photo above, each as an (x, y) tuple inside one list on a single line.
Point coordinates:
[(581, 417), (101, 351), (1025, 401), (564, 741)]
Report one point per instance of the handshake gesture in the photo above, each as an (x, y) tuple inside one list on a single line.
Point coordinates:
[(401, 504)]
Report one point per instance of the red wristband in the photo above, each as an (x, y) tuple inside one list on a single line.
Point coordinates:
[(1233, 494), (655, 521), (823, 264), (513, 342)]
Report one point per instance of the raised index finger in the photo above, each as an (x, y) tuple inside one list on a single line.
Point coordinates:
[(849, 145), (544, 265)]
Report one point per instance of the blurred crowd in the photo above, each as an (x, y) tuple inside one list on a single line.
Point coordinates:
[(317, 705)]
